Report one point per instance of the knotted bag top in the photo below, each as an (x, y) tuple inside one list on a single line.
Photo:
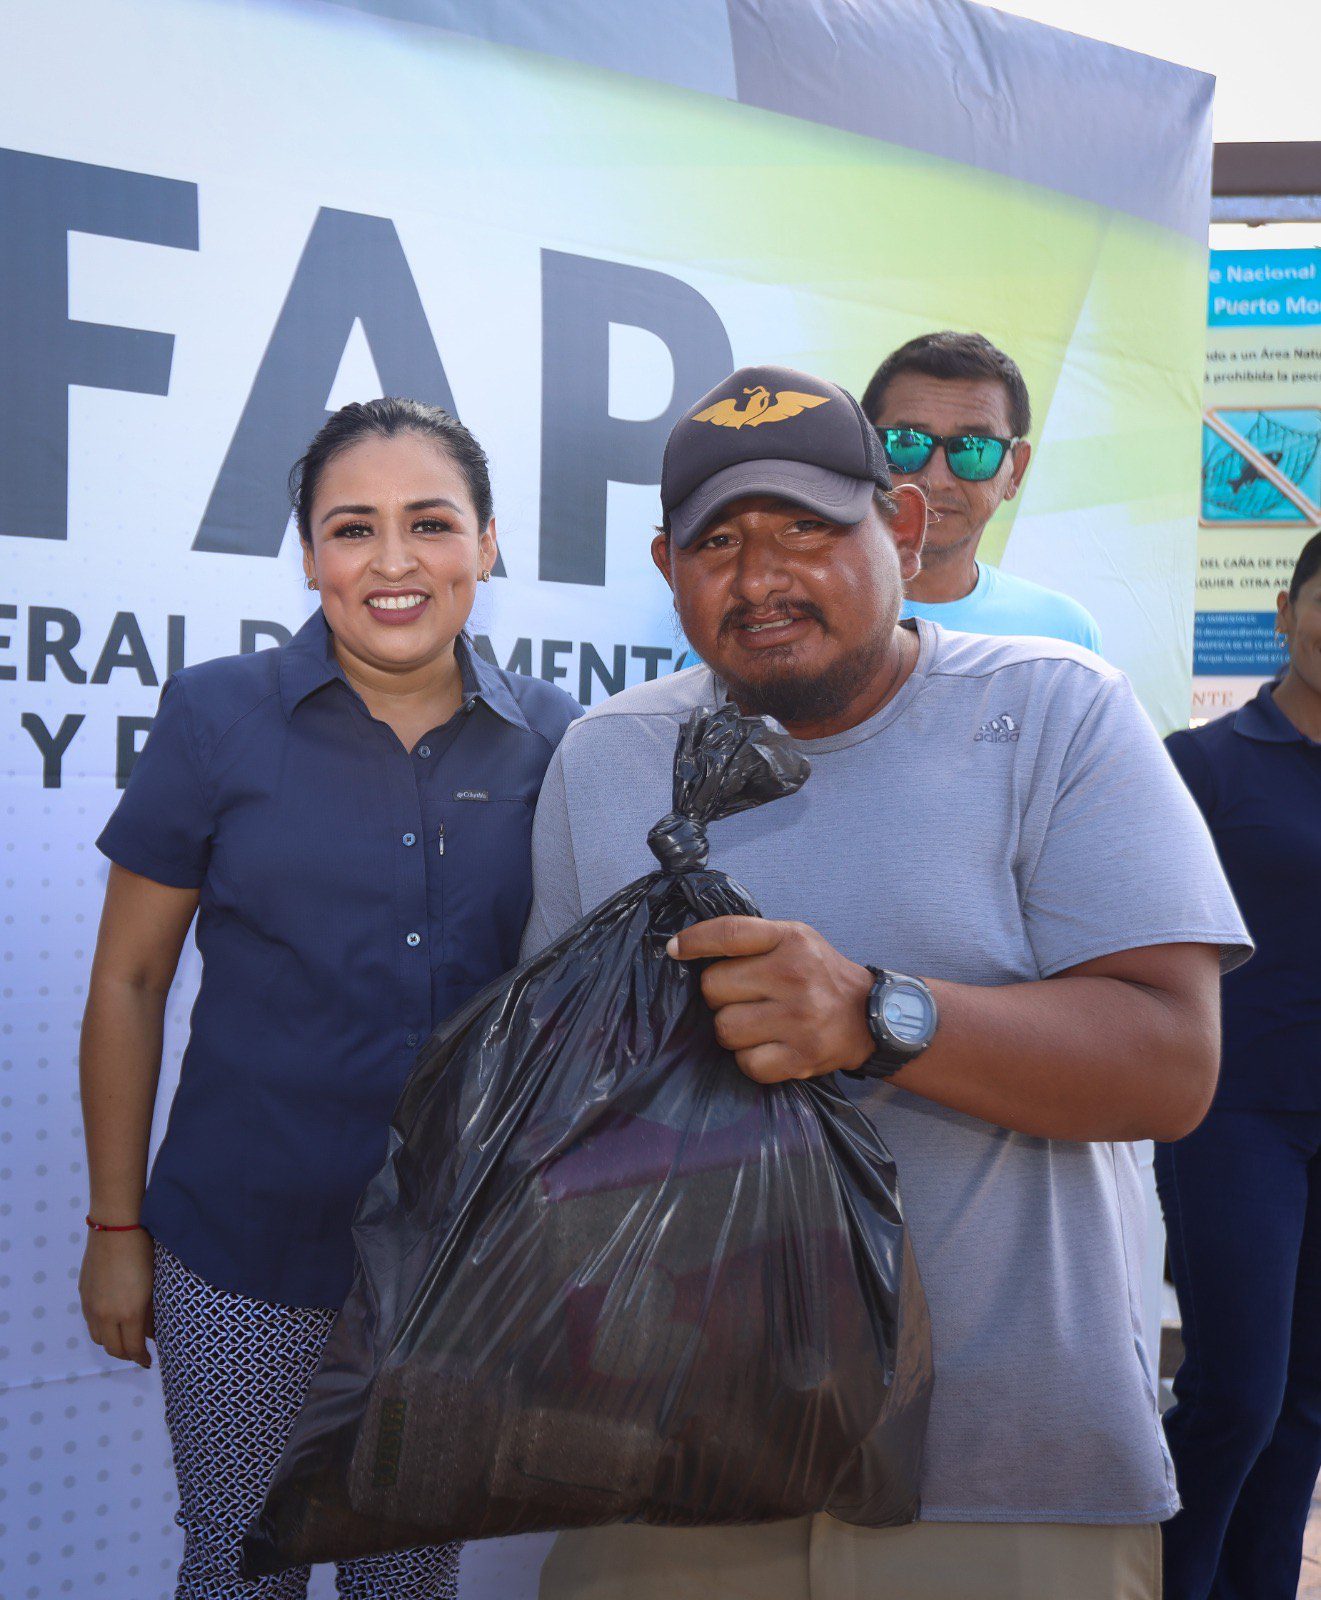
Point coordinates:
[(724, 763)]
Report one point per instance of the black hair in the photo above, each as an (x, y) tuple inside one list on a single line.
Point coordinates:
[(1307, 567), (385, 419), (953, 355)]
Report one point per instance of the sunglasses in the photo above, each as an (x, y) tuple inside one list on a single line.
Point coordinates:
[(974, 457)]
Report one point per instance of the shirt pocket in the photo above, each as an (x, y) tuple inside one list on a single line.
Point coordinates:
[(483, 873)]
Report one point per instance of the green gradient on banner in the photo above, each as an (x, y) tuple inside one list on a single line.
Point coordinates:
[(1138, 347), (856, 246)]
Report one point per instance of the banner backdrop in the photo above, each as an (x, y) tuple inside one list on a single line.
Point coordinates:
[(1261, 463), (220, 220)]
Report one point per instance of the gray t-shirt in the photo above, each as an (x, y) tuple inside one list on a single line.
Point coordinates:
[(1009, 814)]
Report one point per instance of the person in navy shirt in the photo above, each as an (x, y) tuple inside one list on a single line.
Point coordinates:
[(1242, 1194), (349, 817)]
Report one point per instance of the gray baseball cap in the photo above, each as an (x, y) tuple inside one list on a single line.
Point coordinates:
[(771, 430)]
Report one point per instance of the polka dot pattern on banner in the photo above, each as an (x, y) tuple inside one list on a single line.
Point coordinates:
[(87, 1494)]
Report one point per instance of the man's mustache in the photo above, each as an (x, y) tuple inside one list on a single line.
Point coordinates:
[(740, 616)]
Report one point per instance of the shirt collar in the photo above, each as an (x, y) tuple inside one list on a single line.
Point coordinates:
[(484, 681), (307, 663), (1262, 719)]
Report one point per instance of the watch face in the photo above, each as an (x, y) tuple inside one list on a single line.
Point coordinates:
[(909, 1012)]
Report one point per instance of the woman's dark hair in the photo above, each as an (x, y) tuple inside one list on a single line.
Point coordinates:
[(384, 419), (953, 355), (1309, 564)]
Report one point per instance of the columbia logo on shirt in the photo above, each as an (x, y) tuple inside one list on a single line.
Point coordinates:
[(1003, 729), (471, 794)]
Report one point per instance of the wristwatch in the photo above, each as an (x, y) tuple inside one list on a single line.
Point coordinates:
[(902, 1018)]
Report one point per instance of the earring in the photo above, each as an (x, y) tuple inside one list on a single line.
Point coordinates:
[(311, 583), (485, 577)]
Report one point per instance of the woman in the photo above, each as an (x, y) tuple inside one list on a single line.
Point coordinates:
[(1242, 1194), (350, 816)]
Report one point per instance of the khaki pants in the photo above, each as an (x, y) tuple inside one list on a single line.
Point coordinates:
[(817, 1558)]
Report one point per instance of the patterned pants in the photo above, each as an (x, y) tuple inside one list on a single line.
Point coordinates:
[(234, 1372)]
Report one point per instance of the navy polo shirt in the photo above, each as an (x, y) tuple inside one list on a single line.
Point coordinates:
[(1257, 780), (353, 895)]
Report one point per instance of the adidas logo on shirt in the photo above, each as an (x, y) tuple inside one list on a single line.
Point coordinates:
[(1003, 729)]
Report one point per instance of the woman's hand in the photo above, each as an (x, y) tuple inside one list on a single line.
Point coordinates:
[(115, 1288)]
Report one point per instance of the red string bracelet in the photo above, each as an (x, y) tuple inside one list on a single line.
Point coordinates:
[(113, 1227)]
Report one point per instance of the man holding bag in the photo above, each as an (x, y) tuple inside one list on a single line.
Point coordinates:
[(996, 909)]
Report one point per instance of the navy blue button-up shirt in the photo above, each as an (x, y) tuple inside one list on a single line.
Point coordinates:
[(1257, 780), (353, 895)]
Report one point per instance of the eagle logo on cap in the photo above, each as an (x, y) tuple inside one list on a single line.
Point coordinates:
[(760, 408)]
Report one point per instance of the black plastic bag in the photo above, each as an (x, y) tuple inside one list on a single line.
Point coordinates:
[(603, 1276)]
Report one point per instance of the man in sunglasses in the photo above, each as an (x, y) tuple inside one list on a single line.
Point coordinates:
[(992, 913), (953, 414)]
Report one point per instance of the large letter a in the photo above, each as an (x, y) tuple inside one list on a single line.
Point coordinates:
[(353, 267)]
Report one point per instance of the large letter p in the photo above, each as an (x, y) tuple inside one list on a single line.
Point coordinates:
[(583, 448)]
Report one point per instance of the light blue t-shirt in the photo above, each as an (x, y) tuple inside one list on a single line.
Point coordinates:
[(1004, 604)]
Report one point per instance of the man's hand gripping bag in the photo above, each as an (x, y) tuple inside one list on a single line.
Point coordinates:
[(603, 1276)]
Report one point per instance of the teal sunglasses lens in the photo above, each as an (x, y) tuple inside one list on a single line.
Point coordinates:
[(907, 449), (973, 457)]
